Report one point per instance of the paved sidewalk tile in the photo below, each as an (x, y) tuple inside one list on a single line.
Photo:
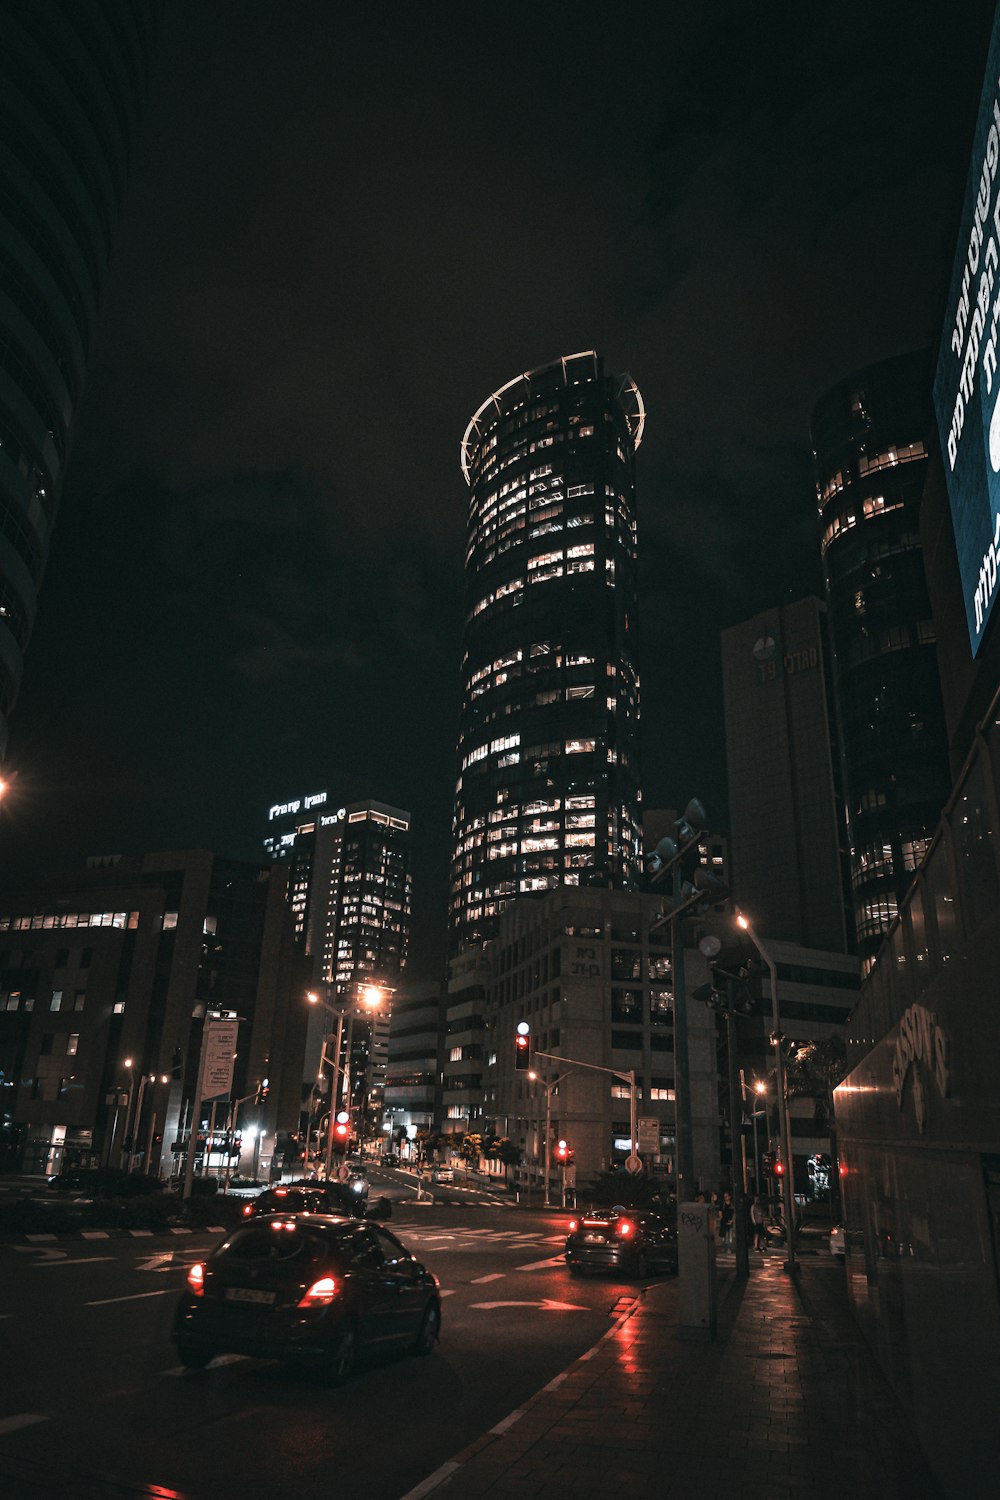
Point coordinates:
[(786, 1404)]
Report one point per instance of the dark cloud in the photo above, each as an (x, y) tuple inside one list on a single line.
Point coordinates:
[(345, 228)]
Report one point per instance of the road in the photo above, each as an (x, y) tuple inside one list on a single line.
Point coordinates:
[(95, 1406)]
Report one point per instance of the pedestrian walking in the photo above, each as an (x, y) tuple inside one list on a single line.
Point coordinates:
[(726, 1220)]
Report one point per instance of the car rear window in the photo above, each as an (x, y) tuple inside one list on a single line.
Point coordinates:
[(277, 1242)]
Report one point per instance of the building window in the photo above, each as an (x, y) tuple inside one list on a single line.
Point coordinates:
[(79, 999), (72, 1043), (455, 1055), (118, 1008), (56, 1002)]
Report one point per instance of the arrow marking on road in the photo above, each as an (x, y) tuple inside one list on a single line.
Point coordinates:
[(546, 1305), (540, 1265)]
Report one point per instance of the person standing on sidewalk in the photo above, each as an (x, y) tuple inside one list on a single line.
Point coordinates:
[(758, 1222), (726, 1216)]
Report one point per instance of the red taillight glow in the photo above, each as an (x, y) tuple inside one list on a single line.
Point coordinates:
[(572, 1226), (248, 1210), (320, 1293), (625, 1228), (196, 1279)]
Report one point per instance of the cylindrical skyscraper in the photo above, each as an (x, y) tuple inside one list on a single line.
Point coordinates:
[(72, 78), (548, 752), (870, 438)]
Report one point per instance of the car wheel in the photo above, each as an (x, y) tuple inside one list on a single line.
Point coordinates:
[(430, 1328), (193, 1359), (641, 1266), (344, 1359), (576, 1270)]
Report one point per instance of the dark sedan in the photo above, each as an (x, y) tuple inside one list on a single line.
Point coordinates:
[(618, 1239), (325, 1291), (305, 1198)]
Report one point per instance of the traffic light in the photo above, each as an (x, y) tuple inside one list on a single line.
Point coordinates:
[(564, 1153), (730, 988), (522, 1047), (341, 1131)]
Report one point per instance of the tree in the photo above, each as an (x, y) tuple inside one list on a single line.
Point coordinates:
[(471, 1149)]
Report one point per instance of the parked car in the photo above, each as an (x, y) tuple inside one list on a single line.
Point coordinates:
[(442, 1174), (635, 1241), (318, 1289)]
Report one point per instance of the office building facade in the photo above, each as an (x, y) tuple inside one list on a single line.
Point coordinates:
[(547, 790), (111, 980), (870, 438), (787, 840), (73, 76)]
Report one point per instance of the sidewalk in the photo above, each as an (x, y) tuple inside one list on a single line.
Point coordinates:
[(786, 1403)]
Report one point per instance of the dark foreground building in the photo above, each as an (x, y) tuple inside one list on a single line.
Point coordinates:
[(548, 775), (109, 982), (72, 80), (870, 437)]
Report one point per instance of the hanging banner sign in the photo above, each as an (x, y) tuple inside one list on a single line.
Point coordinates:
[(220, 1058)]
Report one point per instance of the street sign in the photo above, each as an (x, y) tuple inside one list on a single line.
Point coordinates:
[(633, 1164), (343, 1172), (648, 1131)]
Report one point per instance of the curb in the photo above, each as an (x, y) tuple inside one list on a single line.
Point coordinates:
[(451, 1467)]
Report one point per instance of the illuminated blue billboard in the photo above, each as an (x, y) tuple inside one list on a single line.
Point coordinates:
[(967, 382)]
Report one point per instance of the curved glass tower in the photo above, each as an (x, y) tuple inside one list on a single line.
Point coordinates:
[(72, 77), (548, 752), (869, 438)]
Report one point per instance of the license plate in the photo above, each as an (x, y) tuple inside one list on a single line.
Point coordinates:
[(595, 1239), (248, 1294)]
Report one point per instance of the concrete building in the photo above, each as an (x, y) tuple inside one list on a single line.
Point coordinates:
[(111, 981), (413, 1067), (787, 845)]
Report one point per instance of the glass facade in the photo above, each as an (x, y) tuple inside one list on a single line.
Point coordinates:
[(869, 439), (72, 78), (548, 775)]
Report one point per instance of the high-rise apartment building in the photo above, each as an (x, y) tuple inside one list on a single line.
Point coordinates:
[(870, 437), (72, 79), (547, 791), (785, 811), (349, 889)]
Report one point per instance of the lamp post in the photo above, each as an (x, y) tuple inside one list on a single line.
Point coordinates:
[(791, 1264), (549, 1089), (125, 1149)]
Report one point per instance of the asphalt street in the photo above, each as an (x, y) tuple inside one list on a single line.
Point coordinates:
[(94, 1404)]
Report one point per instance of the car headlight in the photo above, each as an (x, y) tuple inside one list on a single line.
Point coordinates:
[(357, 1187)]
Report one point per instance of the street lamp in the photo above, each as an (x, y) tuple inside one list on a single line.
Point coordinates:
[(791, 1264), (371, 995), (549, 1090), (126, 1145)]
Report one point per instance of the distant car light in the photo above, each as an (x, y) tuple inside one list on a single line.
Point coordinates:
[(625, 1228), (572, 1226), (248, 1210), (196, 1279)]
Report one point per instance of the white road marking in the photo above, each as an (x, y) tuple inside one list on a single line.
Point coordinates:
[(78, 1260), (546, 1305), (141, 1234), (175, 1230), (493, 1276), (37, 1238), (220, 1359), (541, 1265), (94, 1234), (163, 1291), (26, 1419), (449, 1292)]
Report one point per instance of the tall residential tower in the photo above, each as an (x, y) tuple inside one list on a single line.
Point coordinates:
[(72, 79), (548, 752)]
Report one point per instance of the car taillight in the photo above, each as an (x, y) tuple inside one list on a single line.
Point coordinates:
[(196, 1279), (572, 1226), (248, 1210), (320, 1293), (625, 1228)]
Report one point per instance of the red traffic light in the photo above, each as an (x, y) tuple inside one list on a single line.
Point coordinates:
[(779, 1168), (564, 1153), (522, 1047)]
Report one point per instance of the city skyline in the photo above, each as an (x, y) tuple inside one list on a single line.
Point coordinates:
[(258, 562)]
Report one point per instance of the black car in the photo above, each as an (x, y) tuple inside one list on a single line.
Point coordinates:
[(320, 1290), (304, 1198), (635, 1241)]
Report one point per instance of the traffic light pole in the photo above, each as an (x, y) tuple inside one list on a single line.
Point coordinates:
[(628, 1078), (740, 1245)]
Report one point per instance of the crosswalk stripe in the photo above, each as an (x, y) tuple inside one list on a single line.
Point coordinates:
[(25, 1419)]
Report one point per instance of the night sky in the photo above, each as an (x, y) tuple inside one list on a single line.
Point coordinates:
[(346, 226)]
